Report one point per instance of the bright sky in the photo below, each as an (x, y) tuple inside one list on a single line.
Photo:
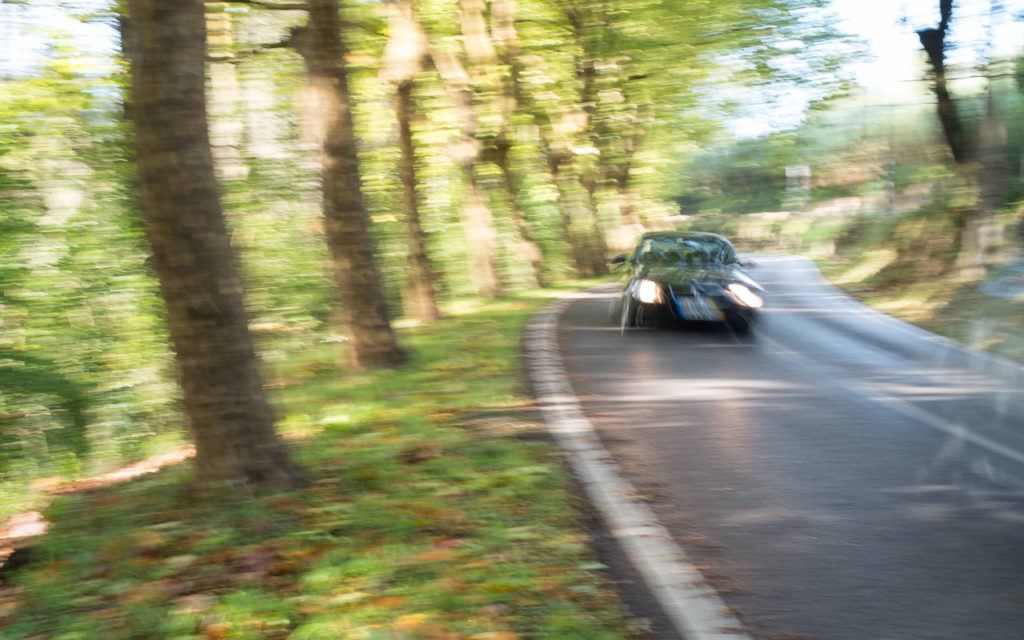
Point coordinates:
[(890, 27), (26, 31), (895, 65)]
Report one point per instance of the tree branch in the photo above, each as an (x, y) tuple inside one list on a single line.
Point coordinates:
[(247, 54)]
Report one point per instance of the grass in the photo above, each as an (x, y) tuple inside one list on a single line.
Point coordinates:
[(906, 268), (437, 509)]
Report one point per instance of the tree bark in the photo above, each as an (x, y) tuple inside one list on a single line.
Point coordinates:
[(580, 259), (228, 416), (403, 55), (583, 27), (504, 15), (372, 341), (477, 218), (528, 248), (934, 43), (556, 156), (420, 293)]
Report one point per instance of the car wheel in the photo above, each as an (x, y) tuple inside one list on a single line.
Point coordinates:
[(630, 309), (739, 323)]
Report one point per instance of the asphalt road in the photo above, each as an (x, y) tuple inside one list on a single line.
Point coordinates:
[(837, 475)]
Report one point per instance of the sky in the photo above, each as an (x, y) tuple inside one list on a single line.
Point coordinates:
[(891, 26), (25, 32), (894, 65)]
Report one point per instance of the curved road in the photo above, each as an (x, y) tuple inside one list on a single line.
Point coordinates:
[(837, 475)]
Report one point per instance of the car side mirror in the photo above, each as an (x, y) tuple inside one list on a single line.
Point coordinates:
[(746, 263), (619, 259)]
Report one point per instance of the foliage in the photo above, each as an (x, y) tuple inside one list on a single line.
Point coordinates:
[(83, 366)]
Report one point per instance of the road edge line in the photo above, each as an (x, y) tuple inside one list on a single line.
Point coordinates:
[(695, 609), (990, 360)]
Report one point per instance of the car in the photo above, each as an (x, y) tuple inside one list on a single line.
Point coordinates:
[(681, 277)]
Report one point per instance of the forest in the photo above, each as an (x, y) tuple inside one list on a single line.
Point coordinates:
[(240, 226)]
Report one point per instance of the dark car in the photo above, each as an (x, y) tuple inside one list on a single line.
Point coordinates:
[(680, 277)]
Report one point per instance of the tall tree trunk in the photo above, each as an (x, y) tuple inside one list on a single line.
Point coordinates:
[(555, 155), (583, 27), (228, 417), (403, 55), (477, 218), (528, 248), (580, 258), (480, 231), (598, 253), (364, 307), (420, 292), (934, 43), (503, 13)]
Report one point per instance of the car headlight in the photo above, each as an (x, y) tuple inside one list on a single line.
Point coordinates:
[(648, 291), (744, 296)]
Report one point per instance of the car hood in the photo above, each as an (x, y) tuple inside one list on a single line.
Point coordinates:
[(681, 277)]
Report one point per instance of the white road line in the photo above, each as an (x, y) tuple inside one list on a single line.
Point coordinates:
[(874, 393), (993, 364), (694, 608)]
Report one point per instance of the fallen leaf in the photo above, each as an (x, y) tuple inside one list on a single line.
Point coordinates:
[(217, 630), (410, 621)]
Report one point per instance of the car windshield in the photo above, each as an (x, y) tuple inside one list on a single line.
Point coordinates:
[(684, 250)]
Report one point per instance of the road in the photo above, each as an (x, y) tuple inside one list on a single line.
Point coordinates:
[(837, 475)]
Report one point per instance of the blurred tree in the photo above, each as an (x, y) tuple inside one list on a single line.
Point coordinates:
[(506, 43), (934, 43), (466, 150), (228, 416), (403, 56), (86, 373), (364, 307), (980, 151)]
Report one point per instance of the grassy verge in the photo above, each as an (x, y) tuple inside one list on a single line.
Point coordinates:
[(906, 268), (438, 509)]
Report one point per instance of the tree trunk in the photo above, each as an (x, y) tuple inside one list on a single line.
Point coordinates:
[(934, 43), (228, 416), (557, 152), (528, 248), (584, 26), (598, 253), (477, 218), (480, 231), (364, 307), (581, 263), (403, 55), (504, 18), (420, 293)]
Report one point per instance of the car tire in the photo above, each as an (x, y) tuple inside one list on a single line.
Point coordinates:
[(739, 323), (631, 313)]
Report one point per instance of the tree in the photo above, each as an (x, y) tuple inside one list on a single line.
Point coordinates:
[(979, 151), (364, 306), (934, 43), (228, 416), (403, 56), (503, 51), (466, 152)]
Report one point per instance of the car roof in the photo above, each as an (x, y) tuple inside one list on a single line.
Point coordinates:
[(684, 234)]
